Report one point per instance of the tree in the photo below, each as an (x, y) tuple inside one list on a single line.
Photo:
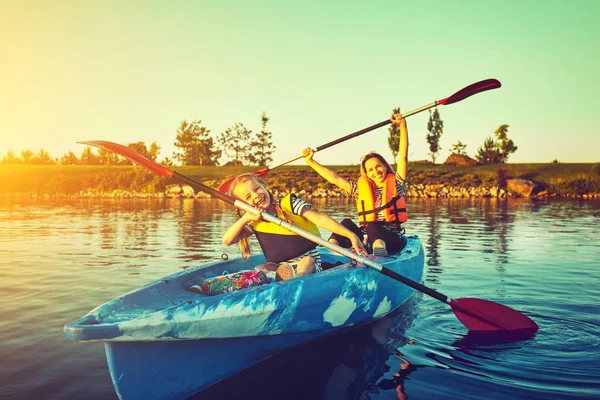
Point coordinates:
[(140, 147), (261, 145), (11, 158), (394, 137), (506, 146), (69, 159), (435, 126), (88, 157), (235, 143), (208, 154), (496, 152), (488, 153), (459, 148), (42, 157), (107, 157), (195, 144), (153, 151), (26, 155)]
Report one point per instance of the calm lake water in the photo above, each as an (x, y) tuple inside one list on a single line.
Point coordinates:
[(61, 258)]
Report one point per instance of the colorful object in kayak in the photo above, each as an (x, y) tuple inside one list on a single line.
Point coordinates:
[(164, 342), (231, 282)]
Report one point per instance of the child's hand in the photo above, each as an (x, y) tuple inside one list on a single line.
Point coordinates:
[(252, 216), (358, 247)]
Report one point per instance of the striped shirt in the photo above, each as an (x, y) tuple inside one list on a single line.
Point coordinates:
[(299, 207)]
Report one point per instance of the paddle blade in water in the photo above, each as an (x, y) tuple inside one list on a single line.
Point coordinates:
[(131, 155), (485, 315), (224, 188)]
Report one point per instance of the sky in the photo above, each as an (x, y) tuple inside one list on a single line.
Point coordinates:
[(132, 70)]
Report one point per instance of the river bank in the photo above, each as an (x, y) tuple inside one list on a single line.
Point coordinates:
[(425, 181)]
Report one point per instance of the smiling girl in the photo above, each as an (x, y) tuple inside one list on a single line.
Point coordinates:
[(292, 254), (379, 195)]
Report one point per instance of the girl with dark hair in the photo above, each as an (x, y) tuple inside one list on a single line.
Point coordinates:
[(379, 194)]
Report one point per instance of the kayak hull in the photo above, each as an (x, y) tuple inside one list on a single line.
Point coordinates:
[(164, 342), (179, 369)]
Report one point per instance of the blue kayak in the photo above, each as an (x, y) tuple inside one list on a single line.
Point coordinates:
[(163, 341)]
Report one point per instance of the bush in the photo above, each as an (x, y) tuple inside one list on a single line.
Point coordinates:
[(579, 185)]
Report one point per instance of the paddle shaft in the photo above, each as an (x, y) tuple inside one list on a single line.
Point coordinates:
[(314, 238), (353, 135), (476, 314), (474, 88)]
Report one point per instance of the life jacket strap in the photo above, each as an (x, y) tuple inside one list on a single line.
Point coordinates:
[(383, 207)]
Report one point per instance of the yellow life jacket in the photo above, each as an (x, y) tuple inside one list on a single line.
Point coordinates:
[(393, 206), (278, 243)]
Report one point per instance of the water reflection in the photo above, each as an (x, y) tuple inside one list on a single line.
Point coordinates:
[(432, 246), (61, 258), (488, 221), (196, 224), (349, 366)]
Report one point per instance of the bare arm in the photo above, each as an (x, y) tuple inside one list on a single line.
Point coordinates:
[(402, 168), (233, 233), (325, 172), (329, 224)]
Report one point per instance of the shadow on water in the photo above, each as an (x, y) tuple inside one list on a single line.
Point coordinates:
[(497, 340), (345, 366)]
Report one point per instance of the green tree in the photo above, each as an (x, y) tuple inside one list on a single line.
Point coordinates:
[(394, 137), (235, 143), (435, 126), (459, 148), (195, 144), (261, 145), (505, 145), (488, 153), (496, 152)]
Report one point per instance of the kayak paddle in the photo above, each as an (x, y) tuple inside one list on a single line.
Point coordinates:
[(462, 94), (475, 314)]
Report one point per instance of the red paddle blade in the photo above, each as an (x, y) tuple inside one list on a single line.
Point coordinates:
[(477, 87), (224, 188), (485, 315), (131, 156)]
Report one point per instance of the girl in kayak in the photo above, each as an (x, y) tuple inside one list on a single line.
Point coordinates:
[(379, 194), (294, 255)]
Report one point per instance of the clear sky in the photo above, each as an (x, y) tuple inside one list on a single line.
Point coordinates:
[(132, 70)]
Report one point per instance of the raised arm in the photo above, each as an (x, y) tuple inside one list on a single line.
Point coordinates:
[(325, 172), (402, 162), (331, 225)]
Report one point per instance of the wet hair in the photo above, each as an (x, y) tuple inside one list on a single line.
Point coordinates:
[(244, 235)]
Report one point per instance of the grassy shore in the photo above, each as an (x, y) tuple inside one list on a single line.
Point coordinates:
[(557, 178)]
